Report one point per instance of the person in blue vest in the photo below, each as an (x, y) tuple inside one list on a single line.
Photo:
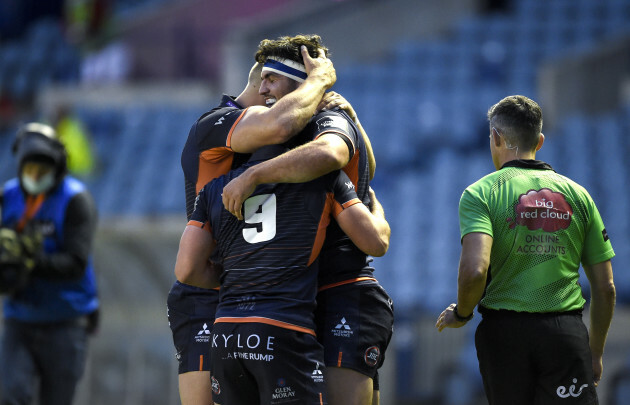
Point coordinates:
[(48, 221)]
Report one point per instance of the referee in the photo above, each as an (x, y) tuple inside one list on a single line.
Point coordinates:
[(525, 230)]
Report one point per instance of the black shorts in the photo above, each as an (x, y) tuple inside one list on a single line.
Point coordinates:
[(191, 313), (530, 359), (256, 363), (354, 324)]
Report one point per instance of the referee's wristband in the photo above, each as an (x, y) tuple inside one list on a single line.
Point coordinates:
[(461, 318)]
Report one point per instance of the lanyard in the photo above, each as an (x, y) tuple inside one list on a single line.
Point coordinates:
[(33, 203)]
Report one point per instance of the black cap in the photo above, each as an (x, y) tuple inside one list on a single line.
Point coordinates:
[(39, 142)]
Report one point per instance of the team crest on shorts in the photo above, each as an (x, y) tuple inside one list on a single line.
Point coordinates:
[(216, 388), (372, 355)]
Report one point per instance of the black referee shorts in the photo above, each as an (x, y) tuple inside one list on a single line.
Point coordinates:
[(535, 359)]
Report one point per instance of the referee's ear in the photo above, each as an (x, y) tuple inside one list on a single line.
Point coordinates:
[(541, 140)]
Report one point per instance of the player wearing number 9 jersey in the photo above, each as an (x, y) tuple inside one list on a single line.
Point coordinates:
[(349, 295), (263, 338)]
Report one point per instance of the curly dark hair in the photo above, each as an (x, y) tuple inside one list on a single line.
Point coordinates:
[(289, 47)]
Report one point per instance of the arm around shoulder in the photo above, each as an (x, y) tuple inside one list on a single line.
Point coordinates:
[(369, 231), (191, 266)]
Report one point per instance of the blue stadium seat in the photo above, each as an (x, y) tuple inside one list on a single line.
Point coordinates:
[(430, 110)]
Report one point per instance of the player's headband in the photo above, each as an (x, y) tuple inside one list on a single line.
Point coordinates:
[(285, 67)]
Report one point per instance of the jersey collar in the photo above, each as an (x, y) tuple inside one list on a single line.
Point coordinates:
[(528, 164), (230, 101)]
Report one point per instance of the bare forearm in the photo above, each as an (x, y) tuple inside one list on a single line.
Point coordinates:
[(603, 296), (368, 147), (299, 165), (473, 271), (378, 212), (469, 292), (302, 164), (293, 111), (601, 313)]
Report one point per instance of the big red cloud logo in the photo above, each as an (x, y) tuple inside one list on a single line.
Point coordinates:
[(543, 209)]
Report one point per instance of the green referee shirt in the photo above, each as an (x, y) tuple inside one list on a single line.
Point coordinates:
[(543, 225)]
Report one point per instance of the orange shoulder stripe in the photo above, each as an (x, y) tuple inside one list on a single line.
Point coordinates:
[(229, 138), (324, 220)]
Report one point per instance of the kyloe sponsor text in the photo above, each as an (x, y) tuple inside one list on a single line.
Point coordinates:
[(253, 341)]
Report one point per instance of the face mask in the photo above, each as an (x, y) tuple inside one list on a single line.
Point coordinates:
[(35, 187)]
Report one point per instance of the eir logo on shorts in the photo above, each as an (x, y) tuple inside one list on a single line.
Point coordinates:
[(371, 356)]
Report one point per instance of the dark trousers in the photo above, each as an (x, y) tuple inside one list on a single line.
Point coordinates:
[(535, 359), (52, 355)]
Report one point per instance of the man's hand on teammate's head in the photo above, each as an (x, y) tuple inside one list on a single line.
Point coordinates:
[(320, 66), (236, 192)]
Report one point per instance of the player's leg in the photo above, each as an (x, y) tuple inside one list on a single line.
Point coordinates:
[(355, 326), (376, 397), (346, 386), (195, 388), (376, 393), (191, 313)]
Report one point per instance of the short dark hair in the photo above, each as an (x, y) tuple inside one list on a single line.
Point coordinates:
[(519, 119), (289, 47)]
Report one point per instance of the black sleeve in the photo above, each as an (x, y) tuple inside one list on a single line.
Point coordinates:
[(210, 131), (78, 234), (338, 123), (343, 189), (191, 195), (200, 211)]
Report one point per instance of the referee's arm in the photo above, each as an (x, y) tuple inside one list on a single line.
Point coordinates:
[(603, 296), (471, 280), (473, 271)]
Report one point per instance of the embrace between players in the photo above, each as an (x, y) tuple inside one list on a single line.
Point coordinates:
[(282, 218)]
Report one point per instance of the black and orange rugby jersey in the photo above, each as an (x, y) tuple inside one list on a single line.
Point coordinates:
[(208, 153), (341, 261), (269, 259)]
